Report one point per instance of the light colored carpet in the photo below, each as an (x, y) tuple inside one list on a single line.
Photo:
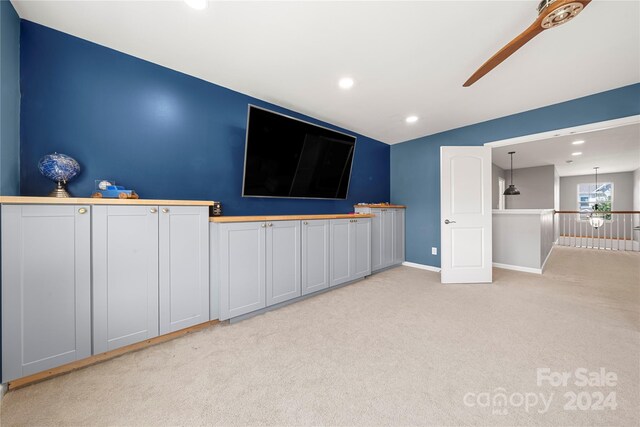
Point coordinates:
[(398, 348)]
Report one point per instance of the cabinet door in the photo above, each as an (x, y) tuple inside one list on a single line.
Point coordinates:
[(46, 287), (125, 275), (184, 267), (241, 260), (387, 237), (361, 241), (341, 251), (377, 243), (283, 261), (315, 256), (398, 236)]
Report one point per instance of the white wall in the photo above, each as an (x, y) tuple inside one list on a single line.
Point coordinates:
[(556, 202), (536, 187), (636, 190), (622, 190), (522, 238), (623, 200), (496, 172)]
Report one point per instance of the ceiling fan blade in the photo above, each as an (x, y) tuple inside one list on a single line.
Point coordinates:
[(551, 14), (515, 44)]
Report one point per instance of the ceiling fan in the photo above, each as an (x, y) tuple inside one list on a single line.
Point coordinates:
[(551, 13)]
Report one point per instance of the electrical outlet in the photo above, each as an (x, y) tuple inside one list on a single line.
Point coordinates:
[(434, 251)]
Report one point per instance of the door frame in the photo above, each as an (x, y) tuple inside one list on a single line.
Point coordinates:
[(573, 130), (502, 201)]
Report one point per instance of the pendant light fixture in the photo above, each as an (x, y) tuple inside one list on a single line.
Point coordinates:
[(596, 218), (511, 190)]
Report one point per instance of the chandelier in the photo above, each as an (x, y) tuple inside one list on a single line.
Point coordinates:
[(596, 218)]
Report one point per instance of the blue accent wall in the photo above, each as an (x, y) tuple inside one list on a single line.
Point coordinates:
[(9, 100), (160, 132), (415, 164)]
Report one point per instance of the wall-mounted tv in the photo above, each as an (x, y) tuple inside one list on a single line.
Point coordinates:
[(287, 157)]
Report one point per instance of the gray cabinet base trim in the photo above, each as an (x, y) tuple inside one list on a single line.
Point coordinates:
[(103, 357), (292, 301)]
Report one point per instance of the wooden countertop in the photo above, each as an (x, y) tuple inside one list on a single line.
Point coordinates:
[(27, 200), (378, 205), (259, 218)]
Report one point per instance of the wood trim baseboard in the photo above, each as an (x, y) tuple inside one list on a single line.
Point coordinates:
[(30, 200), (260, 218), (102, 357)]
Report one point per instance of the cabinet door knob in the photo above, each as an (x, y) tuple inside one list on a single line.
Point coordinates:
[(305, 223), (153, 210), (165, 210), (82, 210), (263, 225), (270, 224)]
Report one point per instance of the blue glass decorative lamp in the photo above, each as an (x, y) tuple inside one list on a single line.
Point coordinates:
[(61, 169)]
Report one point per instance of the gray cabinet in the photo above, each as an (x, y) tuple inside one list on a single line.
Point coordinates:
[(361, 229), (315, 256), (376, 242), (259, 264), (387, 216), (46, 287), (387, 236), (341, 251), (283, 261), (350, 242), (398, 236), (241, 265), (125, 275), (184, 267)]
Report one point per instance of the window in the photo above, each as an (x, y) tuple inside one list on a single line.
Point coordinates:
[(589, 195)]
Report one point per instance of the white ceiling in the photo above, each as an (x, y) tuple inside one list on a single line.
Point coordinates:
[(406, 57), (612, 150)]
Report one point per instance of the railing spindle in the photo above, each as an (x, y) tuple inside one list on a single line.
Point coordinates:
[(624, 229), (617, 230)]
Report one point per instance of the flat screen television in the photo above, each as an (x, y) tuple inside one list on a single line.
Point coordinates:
[(287, 157)]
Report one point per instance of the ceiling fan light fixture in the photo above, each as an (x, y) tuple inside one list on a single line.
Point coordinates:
[(560, 15)]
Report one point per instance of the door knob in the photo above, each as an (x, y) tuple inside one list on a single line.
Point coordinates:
[(153, 210), (263, 225), (305, 223), (446, 221), (270, 224), (165, 210), (82, 210)]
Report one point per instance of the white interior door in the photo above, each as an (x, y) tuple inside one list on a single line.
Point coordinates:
[(465, 212)]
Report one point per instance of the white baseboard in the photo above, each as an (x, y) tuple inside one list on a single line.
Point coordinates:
[(3, 390), (421, 266), (518, 268), (546, 259)]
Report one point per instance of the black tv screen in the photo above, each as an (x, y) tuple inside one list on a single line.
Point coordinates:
[(286, 157)]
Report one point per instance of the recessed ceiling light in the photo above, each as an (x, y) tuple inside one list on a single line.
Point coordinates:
[(346, 83), (411, 119), (197, 4), (578, 142), (577, 153)]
